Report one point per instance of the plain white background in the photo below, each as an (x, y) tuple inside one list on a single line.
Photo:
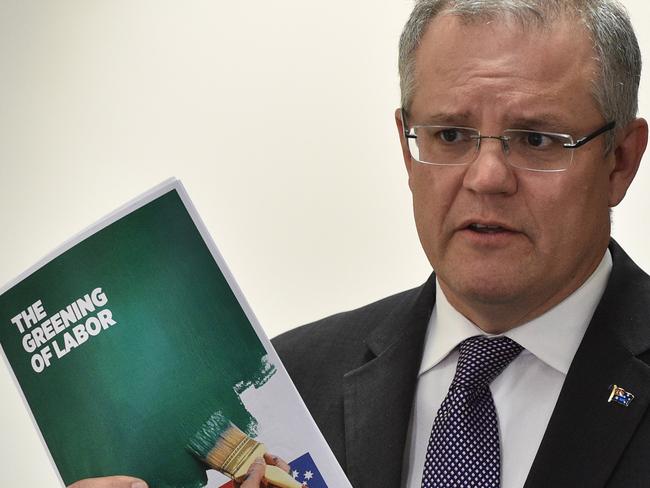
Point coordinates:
[(276, 115)]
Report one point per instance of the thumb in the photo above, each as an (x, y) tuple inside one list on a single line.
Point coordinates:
[(110, 482)]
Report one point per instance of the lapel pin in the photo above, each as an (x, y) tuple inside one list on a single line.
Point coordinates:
[(620, 396)]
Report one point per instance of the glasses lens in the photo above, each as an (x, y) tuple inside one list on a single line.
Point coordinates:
[(538, 151), (443, 145)]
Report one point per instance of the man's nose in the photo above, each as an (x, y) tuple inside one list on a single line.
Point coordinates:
[(490, 172)]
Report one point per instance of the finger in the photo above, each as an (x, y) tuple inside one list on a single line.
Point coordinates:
[(277, 461), (110, 482), (255, 474)]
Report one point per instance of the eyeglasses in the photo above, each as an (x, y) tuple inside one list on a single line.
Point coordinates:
[(443, 145)]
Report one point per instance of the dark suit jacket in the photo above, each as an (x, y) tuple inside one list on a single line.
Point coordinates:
[(357, 372)]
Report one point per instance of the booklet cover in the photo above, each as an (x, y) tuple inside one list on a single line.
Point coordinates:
[(131, 336)]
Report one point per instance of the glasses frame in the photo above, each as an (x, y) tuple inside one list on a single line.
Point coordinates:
[(504, 142)]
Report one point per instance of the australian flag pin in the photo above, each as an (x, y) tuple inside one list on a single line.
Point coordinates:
[(620, 396)]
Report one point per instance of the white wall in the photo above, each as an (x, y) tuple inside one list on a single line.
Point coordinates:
[(100, 100)]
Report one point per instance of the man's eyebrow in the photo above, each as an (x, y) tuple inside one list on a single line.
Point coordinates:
[(447, 118), (547, 122)]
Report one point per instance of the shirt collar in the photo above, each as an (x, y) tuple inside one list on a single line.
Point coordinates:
[(553, 337)]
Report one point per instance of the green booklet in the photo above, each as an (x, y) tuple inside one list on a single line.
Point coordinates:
[(128, 338)]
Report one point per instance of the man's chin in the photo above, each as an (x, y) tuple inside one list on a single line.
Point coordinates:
[(487, 288)]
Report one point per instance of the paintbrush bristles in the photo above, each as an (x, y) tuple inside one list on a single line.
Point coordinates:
[(203, 441), (231, 460), (215, 427), (222, 445)]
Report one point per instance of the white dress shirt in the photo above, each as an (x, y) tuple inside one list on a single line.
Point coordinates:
[(524, 394)]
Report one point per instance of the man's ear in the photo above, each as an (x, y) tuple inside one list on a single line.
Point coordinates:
[(630, 147), (406, 154)]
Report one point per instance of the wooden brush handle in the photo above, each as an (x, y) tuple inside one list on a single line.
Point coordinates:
[(279, 478)]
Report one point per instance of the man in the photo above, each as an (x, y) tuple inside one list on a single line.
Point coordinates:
[(515, 224), (519, 133)]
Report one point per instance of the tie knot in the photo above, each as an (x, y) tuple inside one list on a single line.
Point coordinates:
[(482, 359)]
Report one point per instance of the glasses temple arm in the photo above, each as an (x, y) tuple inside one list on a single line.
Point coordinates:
[(405, 125), (584, 140)]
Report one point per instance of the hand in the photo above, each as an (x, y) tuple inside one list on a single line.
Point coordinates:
[(110, 482), (255, 476)]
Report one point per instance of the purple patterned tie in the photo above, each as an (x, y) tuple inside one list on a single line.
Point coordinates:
[(463, 448)]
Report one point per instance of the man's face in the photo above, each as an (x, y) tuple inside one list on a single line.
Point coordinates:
[(552, 227)]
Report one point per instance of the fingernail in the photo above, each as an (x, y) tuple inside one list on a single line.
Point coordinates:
[(139, 484), (275, 459)]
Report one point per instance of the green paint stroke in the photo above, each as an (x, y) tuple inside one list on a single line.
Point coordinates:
[(127, 400)]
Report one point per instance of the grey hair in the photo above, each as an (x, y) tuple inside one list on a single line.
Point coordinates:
[(615, 89)]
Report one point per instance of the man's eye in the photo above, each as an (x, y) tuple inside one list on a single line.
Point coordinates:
[(537, 139), (450, 135)]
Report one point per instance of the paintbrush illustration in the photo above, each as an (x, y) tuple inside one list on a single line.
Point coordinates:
[(223, 446)]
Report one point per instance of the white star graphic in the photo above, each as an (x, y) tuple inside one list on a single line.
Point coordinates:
[(309, 475), (295, 474)]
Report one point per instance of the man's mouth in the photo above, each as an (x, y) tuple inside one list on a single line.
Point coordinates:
[(487, 229)]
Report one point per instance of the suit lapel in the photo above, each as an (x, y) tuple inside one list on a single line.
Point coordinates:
[(587, 435), (378, 395)]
